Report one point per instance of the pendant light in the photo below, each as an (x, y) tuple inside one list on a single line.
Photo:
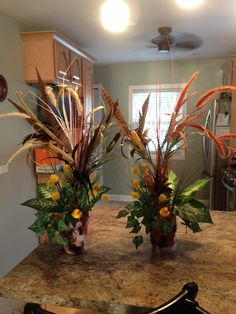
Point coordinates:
[(115, 15), (189, 4)]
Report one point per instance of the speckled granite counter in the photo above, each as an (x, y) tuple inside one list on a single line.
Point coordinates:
[(115, 278)]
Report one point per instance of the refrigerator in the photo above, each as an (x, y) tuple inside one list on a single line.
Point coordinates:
[(217, 120)]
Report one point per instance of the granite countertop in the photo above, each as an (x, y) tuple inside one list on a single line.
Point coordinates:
[(113, 277)]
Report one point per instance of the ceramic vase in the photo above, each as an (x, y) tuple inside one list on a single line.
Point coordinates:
[(76, 236), (164, 240)]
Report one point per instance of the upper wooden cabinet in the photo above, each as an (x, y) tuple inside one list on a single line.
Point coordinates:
[(55, 57), (229, 71)]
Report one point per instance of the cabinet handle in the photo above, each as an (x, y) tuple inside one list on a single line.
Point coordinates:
[(75, 80)]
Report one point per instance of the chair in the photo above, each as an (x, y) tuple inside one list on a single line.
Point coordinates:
[(183, 303), (33, 308)]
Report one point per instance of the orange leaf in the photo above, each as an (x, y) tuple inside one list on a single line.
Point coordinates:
[(180, 100), (221, 146), (208, 96), (225, 136)]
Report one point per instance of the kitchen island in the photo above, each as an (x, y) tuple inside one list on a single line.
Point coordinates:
[(113, 277)]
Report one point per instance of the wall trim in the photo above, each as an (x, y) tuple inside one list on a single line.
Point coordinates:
[(120, 198), (128, 198)]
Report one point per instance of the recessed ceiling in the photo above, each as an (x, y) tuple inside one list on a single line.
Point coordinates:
[(214, 22)]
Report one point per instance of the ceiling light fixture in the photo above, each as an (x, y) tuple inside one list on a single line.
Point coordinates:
[(115, 15), (189, 4)]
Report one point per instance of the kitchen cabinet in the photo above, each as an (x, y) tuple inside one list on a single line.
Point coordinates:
[(57, 59), (76, 71), (87, 78)]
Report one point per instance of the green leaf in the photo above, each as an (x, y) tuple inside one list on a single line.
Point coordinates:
[(43, 191), (133, 205), (37, 228), (92, 201), (193, 225), (59, 239), (195, 187), (202, 211), (130, 222), (61, 226), (43, 217), (173, 180), (67, 193), (41, 204), (138, 240), (189, 215), (51, 233), (122, 213), (136, 228), (137, 213)]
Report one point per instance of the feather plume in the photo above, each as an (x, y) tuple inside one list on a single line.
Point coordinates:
[(142, 116), (180, 100), (14, 114), (208, 96)]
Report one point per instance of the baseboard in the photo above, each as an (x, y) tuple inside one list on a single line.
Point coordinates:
[(128, 198), (120, 198)]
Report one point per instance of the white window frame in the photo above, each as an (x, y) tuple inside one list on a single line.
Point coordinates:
[(179, 154)]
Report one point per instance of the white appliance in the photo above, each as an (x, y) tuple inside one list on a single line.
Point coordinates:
[(218, 122)]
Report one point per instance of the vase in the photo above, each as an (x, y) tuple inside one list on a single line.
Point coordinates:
[(76, 236), (164, 240)]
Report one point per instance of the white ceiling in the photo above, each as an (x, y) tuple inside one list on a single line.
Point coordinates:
[(79, 20)]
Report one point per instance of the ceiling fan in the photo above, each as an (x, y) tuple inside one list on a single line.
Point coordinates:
[(168, 40)]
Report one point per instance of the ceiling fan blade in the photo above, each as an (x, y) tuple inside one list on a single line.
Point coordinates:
[(188, 45), (167, 40)]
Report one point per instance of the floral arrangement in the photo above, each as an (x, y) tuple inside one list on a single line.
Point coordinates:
[(159, 196), (63, 207), (64, 203)]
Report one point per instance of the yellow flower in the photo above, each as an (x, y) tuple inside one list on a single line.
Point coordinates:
[(55, 196), (144, 166), (76, 213), (105, 198), (92, 194), (162, 197), (135, 184), (135, 194), (97, 187), (135, 170), (52, 180), (67, 168), (164, 212), (50, 184)]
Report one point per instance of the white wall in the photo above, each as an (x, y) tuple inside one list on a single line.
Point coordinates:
[(18, 184)]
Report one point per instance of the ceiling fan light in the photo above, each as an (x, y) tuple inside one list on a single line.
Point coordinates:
[(115, 15), (164, 47), (189, 4)]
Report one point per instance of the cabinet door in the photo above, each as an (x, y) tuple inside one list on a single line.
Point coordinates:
[(76, 71), (87, 81), (38, 52), (62, 62)]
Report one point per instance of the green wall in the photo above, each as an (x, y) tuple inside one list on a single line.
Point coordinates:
[(18, 184), (116, 78)]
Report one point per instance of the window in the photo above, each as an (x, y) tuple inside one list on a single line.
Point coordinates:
[(161, 103)]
